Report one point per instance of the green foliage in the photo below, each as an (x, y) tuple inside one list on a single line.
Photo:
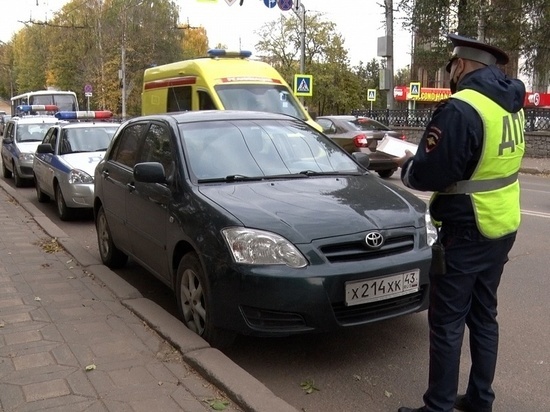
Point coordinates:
[(43, 56), (337, 87)]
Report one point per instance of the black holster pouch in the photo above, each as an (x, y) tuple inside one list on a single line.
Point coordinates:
[(438, 266)]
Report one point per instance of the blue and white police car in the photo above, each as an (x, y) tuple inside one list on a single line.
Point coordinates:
[(22, 134), (65, 161)]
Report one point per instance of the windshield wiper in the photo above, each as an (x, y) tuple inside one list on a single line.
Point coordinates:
[(335, 173)]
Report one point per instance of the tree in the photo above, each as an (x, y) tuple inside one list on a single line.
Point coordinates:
[(337, 88)]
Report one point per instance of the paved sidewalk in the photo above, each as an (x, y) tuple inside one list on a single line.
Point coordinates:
[(76, 337)]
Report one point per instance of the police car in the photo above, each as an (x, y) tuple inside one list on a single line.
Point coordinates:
[(65, 161), (22, 134)]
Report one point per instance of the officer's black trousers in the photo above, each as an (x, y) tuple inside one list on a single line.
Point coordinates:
[(466, 295)]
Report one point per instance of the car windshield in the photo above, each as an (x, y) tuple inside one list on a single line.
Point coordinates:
[(366, 125), (86, 139), (239, 149), (31, 132), (263, 98)]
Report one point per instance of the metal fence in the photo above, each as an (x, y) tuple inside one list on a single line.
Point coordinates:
[(535, 119)]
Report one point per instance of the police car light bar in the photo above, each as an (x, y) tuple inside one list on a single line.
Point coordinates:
[(224, 53), (37, 107), (101, 114)]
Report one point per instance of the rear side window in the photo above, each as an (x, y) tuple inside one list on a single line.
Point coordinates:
[(368, 125), (126, 147)]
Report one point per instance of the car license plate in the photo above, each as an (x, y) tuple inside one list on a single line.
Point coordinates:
[(370, 290)]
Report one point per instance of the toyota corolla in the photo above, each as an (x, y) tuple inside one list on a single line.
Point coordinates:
[(260, 224)]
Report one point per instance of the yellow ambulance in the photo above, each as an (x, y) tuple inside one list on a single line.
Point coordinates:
[(223, 80)]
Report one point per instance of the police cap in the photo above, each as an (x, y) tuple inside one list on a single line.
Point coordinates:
[(471, 49)]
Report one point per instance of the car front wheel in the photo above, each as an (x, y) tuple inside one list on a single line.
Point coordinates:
[(42, 197), (194, 302), (64, 212), (110, 255), (5, 171), (17, 179)]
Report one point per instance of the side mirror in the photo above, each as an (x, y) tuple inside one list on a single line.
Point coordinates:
[(44, 148), (362, 158), (149, 172)]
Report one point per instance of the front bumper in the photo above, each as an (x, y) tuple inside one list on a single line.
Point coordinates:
[(79, 195), (280, 301)]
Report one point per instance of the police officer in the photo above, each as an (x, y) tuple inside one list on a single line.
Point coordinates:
[(469, 156)]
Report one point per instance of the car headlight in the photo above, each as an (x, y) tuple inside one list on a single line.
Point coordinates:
[(257, 247), (78, 176), (431, 231), (26, 157)]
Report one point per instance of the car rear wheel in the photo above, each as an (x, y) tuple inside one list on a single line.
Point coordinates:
[(42, 197), (386, 173), (194, 302), (110, 255), (64, 212), (5, 171)]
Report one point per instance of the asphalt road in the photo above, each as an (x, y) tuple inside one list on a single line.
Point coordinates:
[(381, 366)]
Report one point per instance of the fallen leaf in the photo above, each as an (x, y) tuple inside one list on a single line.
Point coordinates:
[(218, 404), (388, 394), (308, 386), (90, 367)]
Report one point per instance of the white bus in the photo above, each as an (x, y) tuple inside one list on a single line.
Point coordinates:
[(64, 100)]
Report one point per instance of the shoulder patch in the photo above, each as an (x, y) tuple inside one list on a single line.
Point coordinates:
[(433, 138)]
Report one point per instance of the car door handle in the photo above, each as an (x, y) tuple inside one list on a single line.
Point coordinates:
[(105, 174), (131, 186)]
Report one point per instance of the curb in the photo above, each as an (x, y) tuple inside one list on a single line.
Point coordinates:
[(242, 388)]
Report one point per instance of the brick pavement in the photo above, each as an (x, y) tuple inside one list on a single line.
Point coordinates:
[(68, 344)]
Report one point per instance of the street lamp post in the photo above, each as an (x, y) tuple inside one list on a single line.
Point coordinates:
[(122, 74)]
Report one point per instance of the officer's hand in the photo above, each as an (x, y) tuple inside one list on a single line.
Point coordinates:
[(401, 160)]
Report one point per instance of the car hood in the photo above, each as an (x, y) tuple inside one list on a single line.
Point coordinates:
[(83, 161), (306, 209), (27, 147)]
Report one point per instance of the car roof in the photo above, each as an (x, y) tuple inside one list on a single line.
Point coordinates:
[(214, 115), (79, 125), (34, 119)]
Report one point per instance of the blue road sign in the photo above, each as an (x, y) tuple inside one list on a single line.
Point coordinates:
[(415, 89), (303, 85), (285, 5), (270, 3)]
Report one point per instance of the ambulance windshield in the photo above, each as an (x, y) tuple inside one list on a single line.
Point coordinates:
[(264, 98)]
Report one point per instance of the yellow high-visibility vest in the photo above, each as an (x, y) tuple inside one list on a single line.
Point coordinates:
[(494, 185)]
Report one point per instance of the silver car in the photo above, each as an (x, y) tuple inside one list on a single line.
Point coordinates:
[(21, 137), (65, 161)]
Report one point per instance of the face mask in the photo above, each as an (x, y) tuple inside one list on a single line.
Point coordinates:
[(454, 83)]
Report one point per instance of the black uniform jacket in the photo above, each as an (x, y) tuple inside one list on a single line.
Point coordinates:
[(451, 145)]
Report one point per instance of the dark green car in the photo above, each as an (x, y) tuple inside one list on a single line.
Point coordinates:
[(260, 224)]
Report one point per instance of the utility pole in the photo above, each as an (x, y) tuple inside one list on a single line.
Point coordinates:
[(389, 59), (300, 11)]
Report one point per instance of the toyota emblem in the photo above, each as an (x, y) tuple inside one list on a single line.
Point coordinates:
[(374, 240)]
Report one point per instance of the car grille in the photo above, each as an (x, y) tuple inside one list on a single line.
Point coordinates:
[(358, 250), (382, 309)]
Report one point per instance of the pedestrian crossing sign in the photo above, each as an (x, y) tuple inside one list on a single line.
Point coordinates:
[(303, 85), (371, 95), (415, 90)]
